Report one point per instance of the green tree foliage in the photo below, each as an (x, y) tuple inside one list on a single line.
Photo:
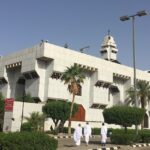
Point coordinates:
[(36, 120), (73, 77), (143, 93), (59, 111), (123, 115), (2, 103), (26, 126)]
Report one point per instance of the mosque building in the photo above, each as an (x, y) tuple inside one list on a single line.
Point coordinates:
[(38, 71)]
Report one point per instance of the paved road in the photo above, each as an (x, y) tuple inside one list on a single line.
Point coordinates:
[(68, 144)]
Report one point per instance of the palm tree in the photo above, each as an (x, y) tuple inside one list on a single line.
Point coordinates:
[(36, 120), (143, 94), (130, 96), (73, 76)]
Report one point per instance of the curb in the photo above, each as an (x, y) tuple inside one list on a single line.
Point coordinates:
[(62, 137), (107, 148), (141, 145), (67, 137)]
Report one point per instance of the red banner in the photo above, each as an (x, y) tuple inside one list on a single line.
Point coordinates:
[(9, 103)]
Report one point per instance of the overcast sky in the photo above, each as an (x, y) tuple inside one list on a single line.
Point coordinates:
[(79, 23)]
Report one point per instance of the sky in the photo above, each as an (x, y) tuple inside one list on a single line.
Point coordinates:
[(79, 23)]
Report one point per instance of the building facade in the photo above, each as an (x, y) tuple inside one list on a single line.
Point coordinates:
[(38, 71)]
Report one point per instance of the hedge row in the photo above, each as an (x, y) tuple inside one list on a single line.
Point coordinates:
[(96, 131), (118, 136), (64, 130), (27, 141), (145, 136)]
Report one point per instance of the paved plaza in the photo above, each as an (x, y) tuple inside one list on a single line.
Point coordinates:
[(68, 144)]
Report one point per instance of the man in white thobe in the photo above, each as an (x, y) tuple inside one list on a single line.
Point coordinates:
[(87, 132), (103, 135), (77, 135)]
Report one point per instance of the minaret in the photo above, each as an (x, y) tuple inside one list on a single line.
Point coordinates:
[(109, 48)]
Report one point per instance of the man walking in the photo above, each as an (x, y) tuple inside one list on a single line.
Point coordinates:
[(77, 135), (103, 135), (87, 133)]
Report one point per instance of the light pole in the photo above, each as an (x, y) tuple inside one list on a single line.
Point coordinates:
[(23, 98), (125, 18)]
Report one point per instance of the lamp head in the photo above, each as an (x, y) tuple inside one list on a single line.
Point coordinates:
[(141, 13), (124, 18)]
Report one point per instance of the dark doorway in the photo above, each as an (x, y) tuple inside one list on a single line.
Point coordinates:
[(146, 121), (20, 87)]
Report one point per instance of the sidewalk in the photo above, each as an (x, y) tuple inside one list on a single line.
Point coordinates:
[(68, 144)]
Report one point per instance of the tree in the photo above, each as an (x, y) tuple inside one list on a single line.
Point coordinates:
[(143, 94), (73, 77), (59, 111), (2, 104), (36, 120), (123, 115)]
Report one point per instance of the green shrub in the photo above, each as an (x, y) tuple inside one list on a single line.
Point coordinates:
[(109, 132), (118, 136), (65, 130), (122, 138), (145, 136), (95, 131), (26, 127), (36, 120), (130, 131), (27, 141), (123, 115)]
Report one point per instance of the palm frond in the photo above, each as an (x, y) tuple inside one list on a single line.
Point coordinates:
[(73, 74), (143, 93)]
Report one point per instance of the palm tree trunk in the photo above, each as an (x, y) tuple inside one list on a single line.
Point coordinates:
[(71, 109)]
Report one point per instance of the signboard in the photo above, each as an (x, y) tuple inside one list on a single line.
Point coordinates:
[(9, 102)]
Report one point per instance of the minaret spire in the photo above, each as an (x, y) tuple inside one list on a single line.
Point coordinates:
[(108, 32), (109, 48)]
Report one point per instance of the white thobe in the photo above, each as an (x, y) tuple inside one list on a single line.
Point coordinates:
[(77, 135), (87, 133), (103, 134)]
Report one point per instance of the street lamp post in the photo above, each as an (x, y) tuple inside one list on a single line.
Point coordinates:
[(125, 18), (23, 98)]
